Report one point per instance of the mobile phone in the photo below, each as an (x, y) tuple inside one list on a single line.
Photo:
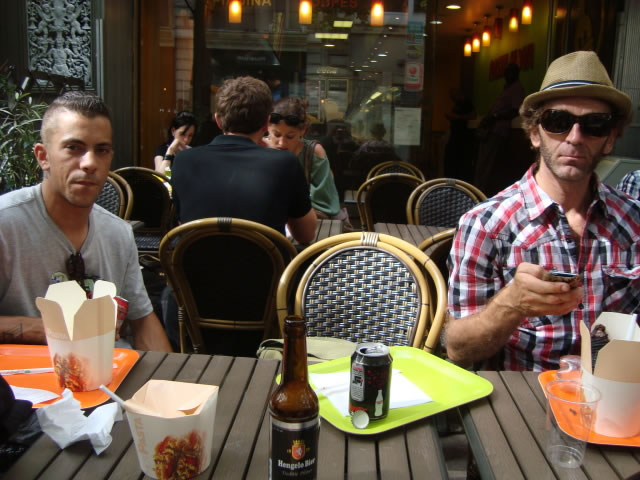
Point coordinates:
[(571, 278)]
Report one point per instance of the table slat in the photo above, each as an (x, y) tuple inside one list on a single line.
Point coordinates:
[(361, 458), (393, 456), (425, 450)]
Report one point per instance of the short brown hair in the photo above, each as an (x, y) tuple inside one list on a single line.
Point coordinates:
[(292, 106), (243, 105), (84, 103)]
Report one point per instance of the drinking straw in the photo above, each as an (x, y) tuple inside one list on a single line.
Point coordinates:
[(113, 396)]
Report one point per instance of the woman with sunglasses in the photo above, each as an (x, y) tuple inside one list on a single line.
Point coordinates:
[(180, 135), (287, 126)]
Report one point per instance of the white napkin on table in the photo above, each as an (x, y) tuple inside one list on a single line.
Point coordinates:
[(335, 386), (65, 423)]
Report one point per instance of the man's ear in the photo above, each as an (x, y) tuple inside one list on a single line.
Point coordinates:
[(534, 137), (217, 121), (610, 142), (40, 151)]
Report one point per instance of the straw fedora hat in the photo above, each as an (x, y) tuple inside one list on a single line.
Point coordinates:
[(579, 74)]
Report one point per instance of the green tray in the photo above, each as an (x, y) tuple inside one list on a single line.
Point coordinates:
[(448, 385)]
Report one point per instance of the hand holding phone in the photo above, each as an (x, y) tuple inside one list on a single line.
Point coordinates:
[(567, 277)]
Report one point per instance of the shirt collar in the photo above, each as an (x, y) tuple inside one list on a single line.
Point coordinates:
[(537, 202)]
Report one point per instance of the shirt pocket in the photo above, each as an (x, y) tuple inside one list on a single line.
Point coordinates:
[(621, 287)]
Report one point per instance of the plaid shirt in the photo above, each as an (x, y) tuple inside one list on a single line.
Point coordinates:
[(522, 224), (630, 184)]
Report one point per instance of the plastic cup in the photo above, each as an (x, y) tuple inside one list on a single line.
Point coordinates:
[(571, 410)]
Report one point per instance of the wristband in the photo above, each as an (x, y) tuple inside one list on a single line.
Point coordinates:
[(169, 157)]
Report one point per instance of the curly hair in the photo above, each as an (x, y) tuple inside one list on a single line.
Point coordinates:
[(243, 105), (84, 103), (292, 106)]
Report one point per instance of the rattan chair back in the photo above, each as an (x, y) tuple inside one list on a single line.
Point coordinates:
[(152, 205), (127, 192), (441, 205), (384, 198), (224, 273), (395, 166), (366, 287), (438, 247), (111, 198)]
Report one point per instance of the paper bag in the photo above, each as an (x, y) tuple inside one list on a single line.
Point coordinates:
[(80, 333), (616, 375), (172, 427)]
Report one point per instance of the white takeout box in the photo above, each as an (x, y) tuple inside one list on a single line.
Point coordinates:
[(80, 333), (616, 375), (167, 417)]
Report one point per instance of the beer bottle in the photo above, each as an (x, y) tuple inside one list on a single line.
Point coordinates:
[(294, 411)]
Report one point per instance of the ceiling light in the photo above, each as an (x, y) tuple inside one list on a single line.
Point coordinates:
[(329, 45), (454, 6), (436, 22), (527, 12), (342, 23), (333, 36), (467, 47), (513, 20), (382, 54), (235, 11)]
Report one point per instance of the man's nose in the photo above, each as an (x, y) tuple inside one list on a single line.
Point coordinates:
[(89, 161), (575, 135)]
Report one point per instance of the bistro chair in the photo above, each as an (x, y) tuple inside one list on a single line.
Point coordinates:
[(365, 287), (224, 273), (112, 198), (152, 206), (384, 198), (439, 203), (127, 192), (438, 247), (395, 166)]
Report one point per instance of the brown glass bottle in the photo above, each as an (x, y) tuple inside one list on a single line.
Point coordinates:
[(294, 408)]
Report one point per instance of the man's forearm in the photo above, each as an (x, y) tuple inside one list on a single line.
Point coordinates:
[(479, 336), (22, 330), (148, 334)]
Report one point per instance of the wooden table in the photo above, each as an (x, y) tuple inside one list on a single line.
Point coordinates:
[(241, 432), (324, 229), (414, 234), (506, 435)]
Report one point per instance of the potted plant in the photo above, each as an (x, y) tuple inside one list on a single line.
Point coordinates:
[(20, 119)]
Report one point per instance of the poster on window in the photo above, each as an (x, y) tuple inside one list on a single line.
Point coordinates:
[(406, 126)]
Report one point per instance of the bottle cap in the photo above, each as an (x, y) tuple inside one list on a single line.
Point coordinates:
[(360, 419)]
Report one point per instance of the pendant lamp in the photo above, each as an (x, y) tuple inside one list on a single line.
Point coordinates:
[(527, 12), (513, 20), (497, 25), (486, 32), (305, 12), (235, 11), (377, 14), (467, 47)]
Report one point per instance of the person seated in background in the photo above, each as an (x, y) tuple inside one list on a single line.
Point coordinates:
[(180, 134), (53, 231), (374, 151), (630, 184), (560, 217), (234, 176), (287, 126)]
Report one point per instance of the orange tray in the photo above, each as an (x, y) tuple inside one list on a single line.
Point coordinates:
[(594, 437), (37, 356)]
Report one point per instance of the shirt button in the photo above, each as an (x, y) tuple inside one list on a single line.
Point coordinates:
[(580, 306)]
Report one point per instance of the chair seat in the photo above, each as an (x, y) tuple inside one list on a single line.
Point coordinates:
[(148, 241)]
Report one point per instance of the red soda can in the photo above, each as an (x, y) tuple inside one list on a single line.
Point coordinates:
[(123, 309), (370, 383)]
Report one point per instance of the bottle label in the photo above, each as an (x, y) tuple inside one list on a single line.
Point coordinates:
[(294, 449)]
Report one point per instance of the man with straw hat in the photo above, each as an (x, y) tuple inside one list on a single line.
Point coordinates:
[(507, 304)]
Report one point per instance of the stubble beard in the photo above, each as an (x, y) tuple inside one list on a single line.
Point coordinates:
[(556, 169)]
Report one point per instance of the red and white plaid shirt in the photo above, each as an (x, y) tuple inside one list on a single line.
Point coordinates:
[(522, 224)]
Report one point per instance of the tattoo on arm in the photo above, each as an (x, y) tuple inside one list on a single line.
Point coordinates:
[(13, 335)]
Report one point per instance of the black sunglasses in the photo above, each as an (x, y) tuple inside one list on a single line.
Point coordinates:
[(592, 124), (291, 120)]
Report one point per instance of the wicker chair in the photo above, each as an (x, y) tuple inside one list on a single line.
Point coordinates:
[(224, 273), (384, 198), (152, 206), (438, 247), (395, 166), (439, 203), (111, 198), (365, 287), (126, 190)]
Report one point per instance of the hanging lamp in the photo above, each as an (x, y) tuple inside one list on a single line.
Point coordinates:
[(513, 20), (486, 32), (235, 11), (467, 47), (527, 12), (305, 12), (497, 24), (377, 14)]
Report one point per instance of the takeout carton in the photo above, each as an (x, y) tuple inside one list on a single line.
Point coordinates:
[(172, 427), (616, 375), (80, 333)]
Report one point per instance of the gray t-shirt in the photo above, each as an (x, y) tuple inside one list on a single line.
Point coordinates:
[(33, 249)]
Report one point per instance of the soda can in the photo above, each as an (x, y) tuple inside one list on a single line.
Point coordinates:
[(370, 382)]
